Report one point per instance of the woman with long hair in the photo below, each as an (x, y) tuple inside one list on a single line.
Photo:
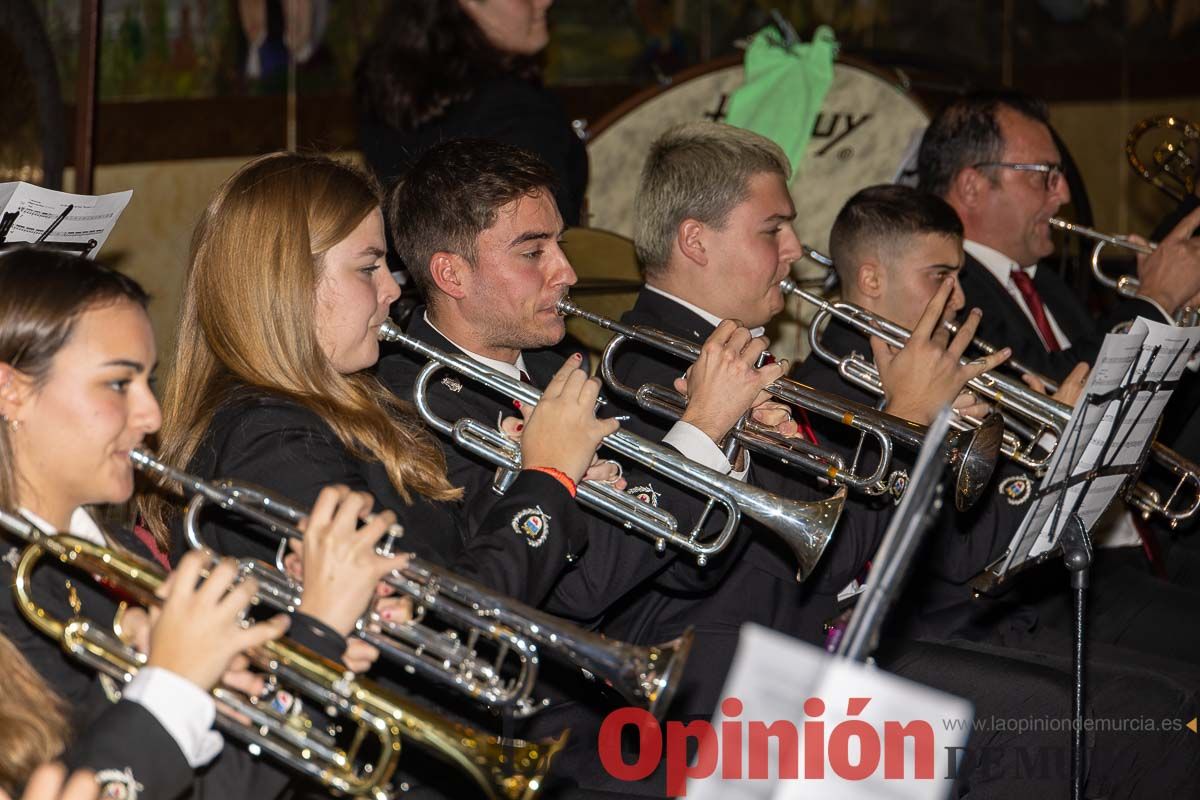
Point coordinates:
[(272, 383), (76, 357), (454, 69)]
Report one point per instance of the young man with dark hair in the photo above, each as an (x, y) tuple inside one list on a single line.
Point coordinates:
[(894, 248), (476, 223)]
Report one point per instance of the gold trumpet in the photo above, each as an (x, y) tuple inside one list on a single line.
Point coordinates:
[(971, 454), (1174, 160), (508, 770)]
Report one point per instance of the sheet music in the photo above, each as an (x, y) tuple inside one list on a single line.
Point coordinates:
[(28, 211), (1106, 435), (773, 675)]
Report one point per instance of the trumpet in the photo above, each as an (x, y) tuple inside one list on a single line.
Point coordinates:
[(1009, 393), (643, 676), (1125, 285), (972, 454), (379, 719), (805, 527), (1028, 414), (1176, 158)]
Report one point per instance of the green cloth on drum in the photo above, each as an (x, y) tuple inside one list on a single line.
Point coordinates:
[(784, 89)]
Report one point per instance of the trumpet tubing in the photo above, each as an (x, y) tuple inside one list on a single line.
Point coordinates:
[(645, 676), (509, 770), (805, 527), (972, 454)]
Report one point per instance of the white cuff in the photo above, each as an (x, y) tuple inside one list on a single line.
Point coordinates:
[(184, 709), (695, 445)]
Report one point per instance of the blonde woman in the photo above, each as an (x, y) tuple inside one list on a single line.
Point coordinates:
[(272, 384)]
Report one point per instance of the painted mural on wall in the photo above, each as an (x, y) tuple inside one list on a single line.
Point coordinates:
[(188, 49), (155, 49)]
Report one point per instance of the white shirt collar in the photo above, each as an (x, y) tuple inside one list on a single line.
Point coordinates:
[(503, 367), (81, 525), (711, 319), (1000, 265)]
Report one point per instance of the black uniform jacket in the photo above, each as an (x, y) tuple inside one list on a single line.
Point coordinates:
[(616, 561), (1004, 324), (762, 587), (938, 601), (275, 443), (108, 738)]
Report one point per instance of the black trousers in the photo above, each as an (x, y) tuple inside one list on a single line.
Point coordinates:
[(1128, 606), (1030, 680), (1020, 748)]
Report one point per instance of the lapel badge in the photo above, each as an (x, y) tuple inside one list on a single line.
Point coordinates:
[(452, 383), (644, 493), (533, 524), (898, 485), (1016, 489), (116, 784)]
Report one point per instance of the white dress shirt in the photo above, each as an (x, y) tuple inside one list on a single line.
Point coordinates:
[(1001, 267), (184, 710), (686, 438)]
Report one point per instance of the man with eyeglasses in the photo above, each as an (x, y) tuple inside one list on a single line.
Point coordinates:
[(993, 157)]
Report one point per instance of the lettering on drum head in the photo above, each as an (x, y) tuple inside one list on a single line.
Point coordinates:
[(835, 128), (718, 114)]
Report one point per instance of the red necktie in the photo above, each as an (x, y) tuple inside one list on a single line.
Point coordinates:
[(525, 380), (1036, 309), (1150, 545)]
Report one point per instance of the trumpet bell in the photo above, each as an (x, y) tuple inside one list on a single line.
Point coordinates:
[(973, 453), (657, 671), (1165, 151), (808, 527)]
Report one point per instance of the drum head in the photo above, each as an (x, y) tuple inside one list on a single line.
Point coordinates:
[(866, 133), (866, 130)]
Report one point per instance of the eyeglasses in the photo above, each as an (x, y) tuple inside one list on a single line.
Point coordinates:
[(1052, 173)]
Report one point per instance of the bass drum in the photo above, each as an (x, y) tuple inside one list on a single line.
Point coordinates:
[(867, 132)]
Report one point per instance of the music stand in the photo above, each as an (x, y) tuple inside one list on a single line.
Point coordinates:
[(1081, 476)]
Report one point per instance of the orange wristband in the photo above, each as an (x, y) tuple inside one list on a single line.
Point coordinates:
[(559, 476)]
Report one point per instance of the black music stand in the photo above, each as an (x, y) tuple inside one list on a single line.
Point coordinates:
[(6, 222), (1073, 538)]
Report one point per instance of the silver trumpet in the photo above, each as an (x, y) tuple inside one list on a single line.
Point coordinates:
[(1124, 285), (1010, 394), (972, 454), (476, 616), (805, 527), (1028, 414)]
